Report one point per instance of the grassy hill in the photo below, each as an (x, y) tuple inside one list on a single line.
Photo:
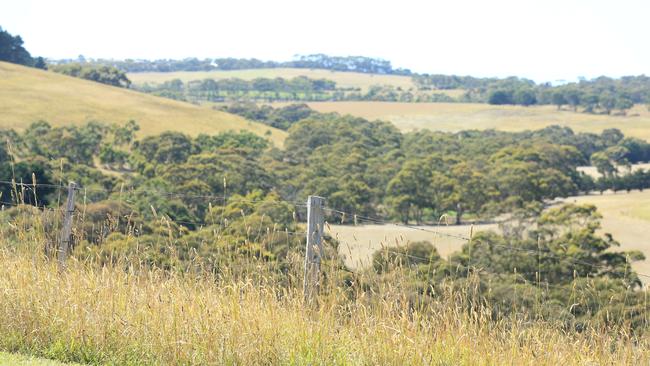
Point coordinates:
[(463, 116), (28, 95)]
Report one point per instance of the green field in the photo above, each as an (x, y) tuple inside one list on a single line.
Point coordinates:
[(10, 359), (463, 116), (28, 95)]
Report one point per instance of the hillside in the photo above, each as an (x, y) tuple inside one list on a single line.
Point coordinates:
[(465, 116), (28, 95)]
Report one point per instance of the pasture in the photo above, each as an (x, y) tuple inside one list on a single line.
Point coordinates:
[(28, 95), (625, 215), (454, 117), (357, 244)]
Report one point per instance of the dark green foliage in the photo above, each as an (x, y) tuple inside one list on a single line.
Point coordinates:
[(561, 270), (281, 118), (299, 88), (12, 50), (500, 97), (101, 74)]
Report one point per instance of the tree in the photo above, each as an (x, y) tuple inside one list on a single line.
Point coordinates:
[(499, 97), (607, 101), (525, 97), (623, 104), (12, 50), (40, 63), (558, 99), (408, 191), (603, 164), (573, 98)]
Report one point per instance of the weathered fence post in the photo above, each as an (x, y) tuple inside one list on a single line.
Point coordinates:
[(314, 250), (66, 230)]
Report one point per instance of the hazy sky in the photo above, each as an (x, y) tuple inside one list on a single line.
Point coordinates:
[(543, 40)]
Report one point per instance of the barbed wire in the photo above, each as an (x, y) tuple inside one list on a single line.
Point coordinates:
[(355, 217), (548, 252)]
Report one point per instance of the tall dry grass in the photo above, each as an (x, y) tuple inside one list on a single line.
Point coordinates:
[(112, 315), (125, 313)]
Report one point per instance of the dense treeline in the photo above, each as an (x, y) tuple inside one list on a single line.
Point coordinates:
[(367, 168), (282, 118), (315, 61), (12, 50), (101, 74), (599, 95), (300, 88)]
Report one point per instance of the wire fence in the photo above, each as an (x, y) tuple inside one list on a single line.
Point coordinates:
[(224, 200)]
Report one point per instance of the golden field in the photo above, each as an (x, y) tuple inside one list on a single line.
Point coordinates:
[(454, 117), (625, 215), (28, 95)]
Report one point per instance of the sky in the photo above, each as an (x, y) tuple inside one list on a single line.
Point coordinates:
[(545, 40)]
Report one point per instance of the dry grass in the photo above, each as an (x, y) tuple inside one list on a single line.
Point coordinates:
[(627, 217), (463, 116), (112, 315), (359, 243), (28, 95)]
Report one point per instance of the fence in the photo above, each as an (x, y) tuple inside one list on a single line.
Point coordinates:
[(316, 227)]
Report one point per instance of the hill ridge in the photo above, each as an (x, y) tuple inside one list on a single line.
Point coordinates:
[(28, 95)]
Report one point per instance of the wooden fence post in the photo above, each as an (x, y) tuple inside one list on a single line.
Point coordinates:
[(314, 249), (66, 230)]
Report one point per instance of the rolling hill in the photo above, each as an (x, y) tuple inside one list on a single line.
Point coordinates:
[(454, 117), (28, 95)]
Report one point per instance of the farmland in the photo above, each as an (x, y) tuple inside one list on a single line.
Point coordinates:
[(342, 79), (625, 215), (463, 116), (28, 95), (359, 243)]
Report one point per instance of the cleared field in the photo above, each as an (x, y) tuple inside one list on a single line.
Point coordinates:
[(593, 172), (28, 95), (463, 116), (342, 79), (625, 215), (359, 243)]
